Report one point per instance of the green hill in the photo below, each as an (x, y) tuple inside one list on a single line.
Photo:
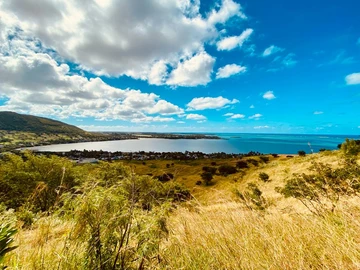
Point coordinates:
[(11, 121)]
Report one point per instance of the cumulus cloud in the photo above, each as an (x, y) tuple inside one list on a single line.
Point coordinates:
[(252, 107), (318, 112), (228, 9), (272, 50), (237, 116), (255, 116), (228, 114), (143, 40), (229, 70), (33, 82), (204, 103), (194, 116), (230, 43), (353, 79), (269, 95), (192, 72)]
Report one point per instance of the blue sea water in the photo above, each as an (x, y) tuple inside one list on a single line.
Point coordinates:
[(231, 143)]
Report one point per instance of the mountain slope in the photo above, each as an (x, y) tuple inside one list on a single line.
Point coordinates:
[(11, 121)]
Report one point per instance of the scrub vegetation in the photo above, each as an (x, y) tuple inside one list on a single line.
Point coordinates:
[(267, 212)]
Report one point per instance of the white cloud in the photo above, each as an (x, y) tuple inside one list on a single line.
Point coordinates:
[(252, 107), (204, 103), (269, 95), (33, 82), (194, 116), (116, 38), (237, 116), (261, 127), (228, 114), (318, 112), (229, 70), (353, 79), (289, 61), (229, 43), (228, 9), (272, 50), (192, 72), (255, 116), (180, 122)]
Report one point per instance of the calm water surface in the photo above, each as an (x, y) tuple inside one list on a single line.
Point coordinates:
[(232, 143)]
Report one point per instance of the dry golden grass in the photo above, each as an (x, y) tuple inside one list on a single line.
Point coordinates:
[(227, 236), (216, 231)]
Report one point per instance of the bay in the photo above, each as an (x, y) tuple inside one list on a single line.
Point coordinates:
[(230, 143)]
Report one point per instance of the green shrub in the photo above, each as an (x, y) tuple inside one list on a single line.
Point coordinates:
[(207, 177), (302, 153), (264, 177), (211, 170), (253, 161), (264, 159), (6, 239), (321, 190), (227, 169), (242, 164), (350, 147)]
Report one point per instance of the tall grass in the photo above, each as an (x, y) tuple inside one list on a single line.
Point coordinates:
[(229, 237)]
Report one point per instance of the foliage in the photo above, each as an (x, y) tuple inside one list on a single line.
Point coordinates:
[(321, 190), (301, 153), (264, 177), (350, 147), (252, 197), (35, 180), (242, 164), (207, 177), (253, 161), (227, 169), (264, 159), (6, 239), (211, 170)]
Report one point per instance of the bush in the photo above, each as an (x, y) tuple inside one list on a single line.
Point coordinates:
[(207, 177), (241, 164), (253, 161), (211, 170), (321, 190), (227, 169), (302, 153), (264, 159), (198, 183), (264, 177), (275, 155), (165, 177), (213, 163), (351, 147)]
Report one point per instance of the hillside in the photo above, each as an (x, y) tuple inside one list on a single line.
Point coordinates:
[(11, 121), (238, 221)]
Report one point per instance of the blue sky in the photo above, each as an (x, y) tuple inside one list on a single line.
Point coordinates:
[(184, 65)]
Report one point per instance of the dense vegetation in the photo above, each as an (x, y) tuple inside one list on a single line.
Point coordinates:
[(259, 212), (19, 122)]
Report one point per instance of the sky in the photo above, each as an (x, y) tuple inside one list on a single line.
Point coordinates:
[(244, 66)]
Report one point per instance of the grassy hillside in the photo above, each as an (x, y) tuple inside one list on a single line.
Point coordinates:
[(223, 225), (11, 121)]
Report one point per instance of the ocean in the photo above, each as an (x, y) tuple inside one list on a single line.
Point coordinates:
[(231, 143)]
